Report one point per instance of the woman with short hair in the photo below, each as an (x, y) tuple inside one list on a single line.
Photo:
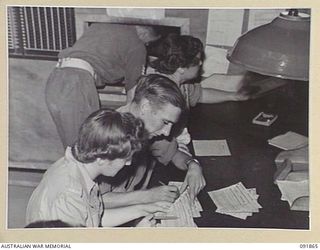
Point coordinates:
[(69, 192)]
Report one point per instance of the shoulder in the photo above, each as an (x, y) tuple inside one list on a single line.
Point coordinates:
[(64, 177)]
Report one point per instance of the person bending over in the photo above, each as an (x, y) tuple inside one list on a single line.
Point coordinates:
[(158, 102), (105, 53), (68, 190), (179, 57)]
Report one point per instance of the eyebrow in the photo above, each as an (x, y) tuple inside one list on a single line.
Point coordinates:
[(165, 120)]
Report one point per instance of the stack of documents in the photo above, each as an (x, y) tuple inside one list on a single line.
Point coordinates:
[(295, 190), (236, 200), (289, 141), (182, 211)]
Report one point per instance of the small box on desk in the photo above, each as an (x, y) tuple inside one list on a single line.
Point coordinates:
[(264, 119)]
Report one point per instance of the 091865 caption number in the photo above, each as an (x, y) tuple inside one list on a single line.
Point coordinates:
[(309, 246)]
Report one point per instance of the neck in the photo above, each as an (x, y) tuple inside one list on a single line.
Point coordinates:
[(174, 77), (92, 170)]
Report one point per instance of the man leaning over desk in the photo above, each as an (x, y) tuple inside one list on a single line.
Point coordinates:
[(159, 103)]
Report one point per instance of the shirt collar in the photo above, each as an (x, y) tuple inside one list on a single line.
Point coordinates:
[(85, 180)]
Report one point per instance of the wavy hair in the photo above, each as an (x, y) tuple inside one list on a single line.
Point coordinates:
[(159, 90), (176, 51), (108, 134)]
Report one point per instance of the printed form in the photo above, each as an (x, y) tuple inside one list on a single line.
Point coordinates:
[(236, 201), (182, 211), (211, 148)]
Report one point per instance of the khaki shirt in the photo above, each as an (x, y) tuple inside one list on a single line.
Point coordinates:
[(66, 193)]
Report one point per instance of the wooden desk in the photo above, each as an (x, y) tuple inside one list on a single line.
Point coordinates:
[(252, 160)]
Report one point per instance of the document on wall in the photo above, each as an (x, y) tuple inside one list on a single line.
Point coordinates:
[(224, 26), (258, 17), (236, 200), (211, 147), (215, 62)]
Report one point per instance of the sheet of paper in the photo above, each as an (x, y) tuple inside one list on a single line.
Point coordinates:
[(215, 62), (259, 17), (236, 201), (181, 209), (196, 207), (211, 147), (136, 13), (292, 190), (289, 141), (242, 215), (224, 26)]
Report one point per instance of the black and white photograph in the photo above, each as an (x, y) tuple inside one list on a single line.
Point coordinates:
[(158, 118)]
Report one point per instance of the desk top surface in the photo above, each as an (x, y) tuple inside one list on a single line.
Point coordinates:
[(252, 159)]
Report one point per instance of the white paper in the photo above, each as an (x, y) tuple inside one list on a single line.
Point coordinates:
[(149, 13), (195, 206), (258, 17), (182, 209), (211, 148), (292, 190), (236, 201), (289, 141), (224, 26), (215, 62)]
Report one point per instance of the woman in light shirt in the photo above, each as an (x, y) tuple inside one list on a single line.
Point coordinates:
[(68, 191)]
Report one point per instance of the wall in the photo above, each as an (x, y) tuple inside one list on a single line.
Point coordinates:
[(32, 134), (198, 20)]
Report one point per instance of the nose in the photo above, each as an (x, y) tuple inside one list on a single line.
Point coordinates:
[(166, 130)]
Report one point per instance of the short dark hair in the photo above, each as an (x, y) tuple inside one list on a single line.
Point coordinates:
[(176, 51), (108, 134), (159, 90)]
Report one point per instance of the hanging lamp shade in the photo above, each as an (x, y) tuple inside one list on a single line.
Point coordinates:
[(279, 48)]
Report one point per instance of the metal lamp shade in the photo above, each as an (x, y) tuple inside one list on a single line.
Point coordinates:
[(279, 48)]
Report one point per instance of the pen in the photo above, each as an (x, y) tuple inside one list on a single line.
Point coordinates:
[(178, 191), (162, 183)]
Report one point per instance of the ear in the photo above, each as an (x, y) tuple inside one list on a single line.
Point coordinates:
[(181, 70), (100, 162)]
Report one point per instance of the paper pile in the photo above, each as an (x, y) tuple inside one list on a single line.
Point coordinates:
[(295, 190), (182, 211), (236, 200), (289, 141)]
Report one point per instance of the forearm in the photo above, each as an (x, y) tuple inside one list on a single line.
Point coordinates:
[(119, 199), (215, 96), (180, 160), (117, 216)]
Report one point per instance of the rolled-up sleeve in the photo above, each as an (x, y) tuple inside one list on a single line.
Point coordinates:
[(194, 93)]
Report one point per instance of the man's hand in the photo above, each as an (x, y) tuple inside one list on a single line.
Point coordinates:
[(162, 193), (194, 179)]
